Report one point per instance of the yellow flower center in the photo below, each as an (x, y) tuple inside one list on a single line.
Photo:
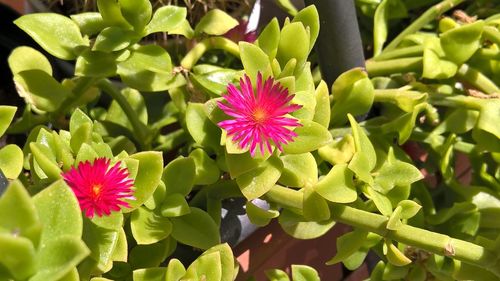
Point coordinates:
[(96, 189), (259, 115)]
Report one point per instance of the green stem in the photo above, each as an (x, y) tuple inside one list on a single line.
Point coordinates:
[(433, 242), (477, 79), (492, 34), (382, 68), (210, 43), (412, 51), (487, 54), (458, 101), (81, 86), (438, 140), (140, 130), (429, 15)]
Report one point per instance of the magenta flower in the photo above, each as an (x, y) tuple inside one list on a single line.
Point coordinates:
[(241, 33), (99, 188), (259, 117)]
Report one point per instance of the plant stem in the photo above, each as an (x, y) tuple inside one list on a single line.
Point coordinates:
[(412, 51), (210, 43), (477, 79), (81, 86), (429, 15), (424, 137), (487, 54), (458, 101), (492, 34), (382, 68), (433, 242), (140, 130)]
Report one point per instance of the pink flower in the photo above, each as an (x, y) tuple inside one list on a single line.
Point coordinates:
[(99, 188), (259, 116), (241, 33)]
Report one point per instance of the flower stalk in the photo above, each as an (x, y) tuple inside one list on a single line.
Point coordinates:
[(208, 44)]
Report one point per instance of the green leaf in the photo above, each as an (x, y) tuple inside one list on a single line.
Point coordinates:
[(436, 68), (112, 39), (258, 216), (364, 159), (460, 43), (95, 64), (18, 256), (308, 102), (294, 43), (40, 89), (11, 161), (269, 38), (239, 164), (148, 68), (304, 273), (311, 136), (215, 22), (310, 19), (254, 60), (338, 186), (206, 171), (394, 255), (46, 163), (314, 206), (186, 229), (112, 14), (175, 205), (184, 28), (102, 243), (157, 198), (118, 116), (166, 19), (207, 267), (78, 118), (409, 208), (90, 23), (299, 170), (301, 228), (81, 135), (276, 275), (18, 213), (6, 116), (381, 201), (148, 176), (338, 152), (352, 93), (175, 270), (149, 274), (58, 257), (226, 260), (142, 256), (26, 58), (149, 227), (178, 176), (257, 182), (203, 131), (395, 173), (394, 221), (347, 245), (57, 34), (136, 12), (322, 110)]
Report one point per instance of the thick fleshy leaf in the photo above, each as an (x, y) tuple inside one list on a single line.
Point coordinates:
[(215, 22), (148, 68), (6, 115), (149, 274), (269, 38), (337, 186), (118, 116), (101, 242), (175, 205), (112, 39), (364, 159), (136, 12), (257, 182), (460, 43), (314, 206), (394, 255), (148, 176), (19, 214), (299, 170), (436, 68), (300, 228), (206, 267), (322, 109), (310, 19), (178, 176), (26, 58), (40, 89), (239, 164), (294, 43), (57, 34), (58, 257), (186, 229), (226, 261), (95, 64), (207, 171), (352, 93), (276, 275), (254, 60), (310, 136), (202, 130), (338, 152), (18, 256), (144, 256), (45, 160), (166, 19), (395, 173), (348, 244), (58, 208), (112, 14), (381, 201), (149, 227), (304, 273), (90, 23), (11, 160), (259, 216), (175, 270)]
